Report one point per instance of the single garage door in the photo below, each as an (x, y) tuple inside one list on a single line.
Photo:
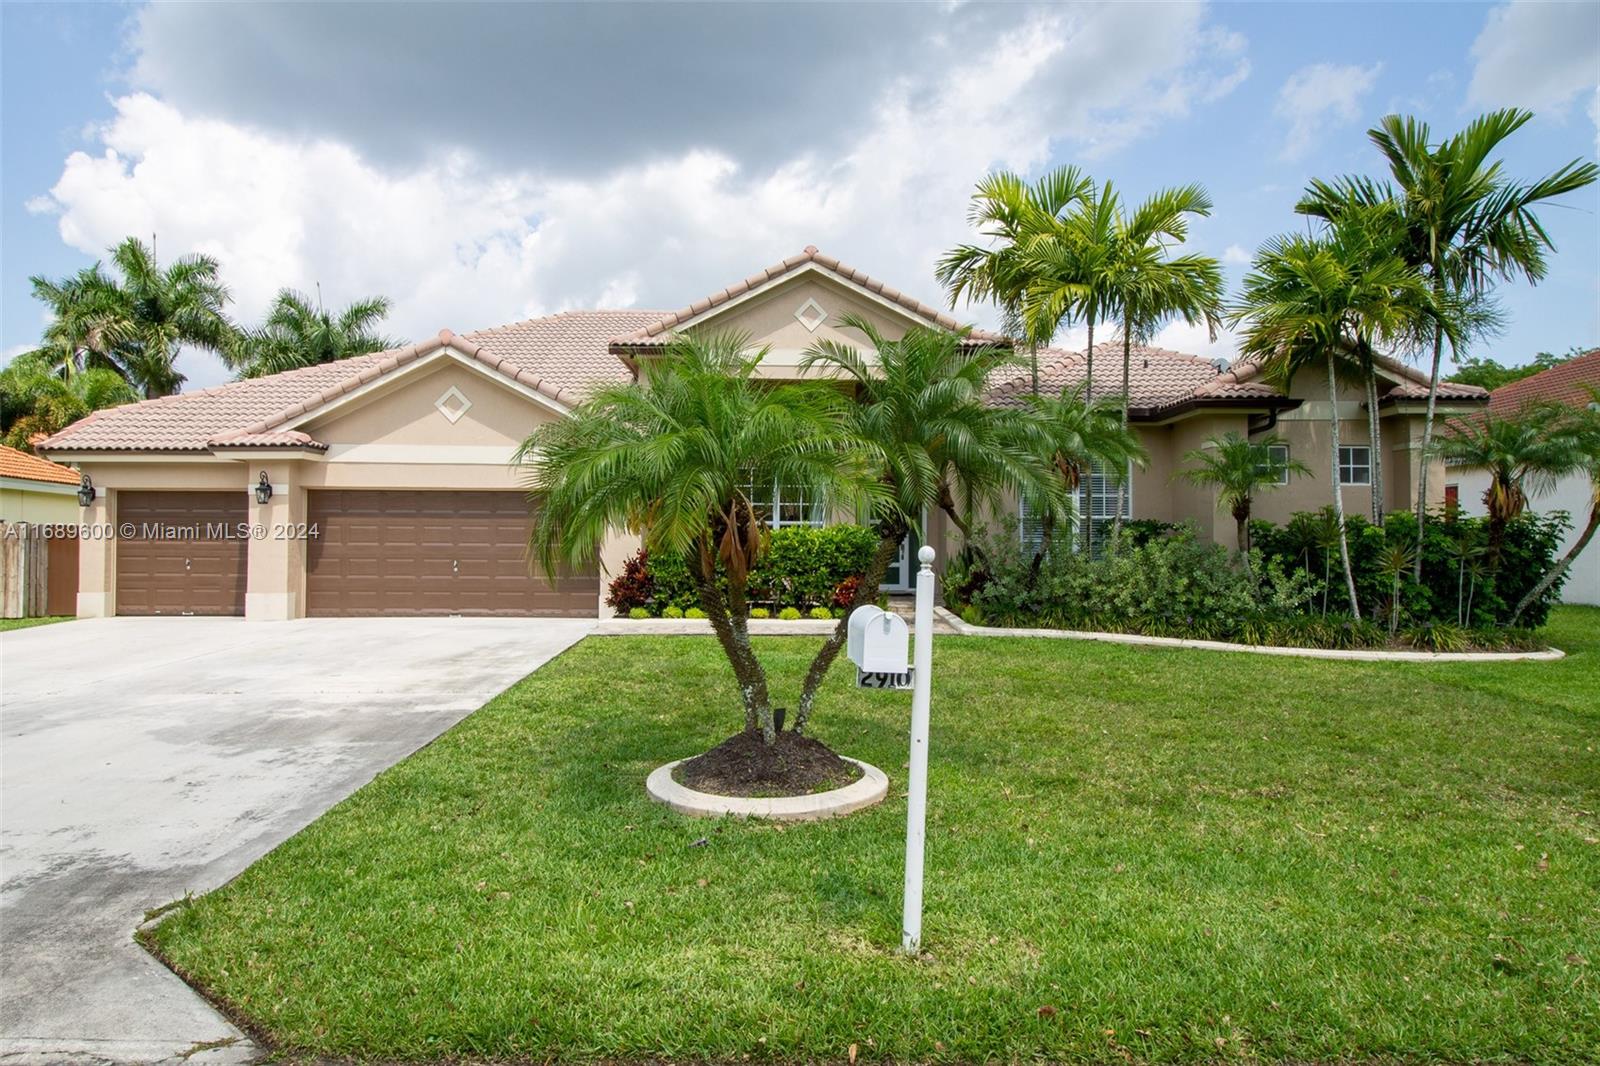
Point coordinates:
[(431, 553), (181, 552)]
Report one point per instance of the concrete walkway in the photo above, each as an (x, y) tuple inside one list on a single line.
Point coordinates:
[(143, 758)]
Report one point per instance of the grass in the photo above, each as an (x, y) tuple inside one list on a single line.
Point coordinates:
[(1134, 855), (8, 624)]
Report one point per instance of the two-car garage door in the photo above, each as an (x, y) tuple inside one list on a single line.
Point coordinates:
[(431, 553), (369, 553)]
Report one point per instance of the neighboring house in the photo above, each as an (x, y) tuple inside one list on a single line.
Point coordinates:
[(388, 488), (35, 490), (1560, 384)]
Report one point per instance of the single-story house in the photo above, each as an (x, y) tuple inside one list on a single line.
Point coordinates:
[(387, 487), (35, 490), (1572, 494)]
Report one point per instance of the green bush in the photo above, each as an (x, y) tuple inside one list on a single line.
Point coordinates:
[(760, 612), (638, 612), (694, 612), (789, 614), (672, 612), (821, 614)]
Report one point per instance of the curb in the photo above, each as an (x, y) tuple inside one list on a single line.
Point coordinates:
[(868, 791), (700, 627), (967, 629)]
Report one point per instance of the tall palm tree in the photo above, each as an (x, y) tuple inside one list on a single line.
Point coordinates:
[(298, 332), (670, 456), (1522, 453), (137, 321), (1240, 469), (1084, 435), (1312, 300), (1582, 428), (1072, 272), (1465, 224), (37, 397), (82, 314), (933, 444), (1011, 214), (1152, 287)]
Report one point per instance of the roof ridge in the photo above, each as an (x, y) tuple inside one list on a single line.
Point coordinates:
[(564, 314)]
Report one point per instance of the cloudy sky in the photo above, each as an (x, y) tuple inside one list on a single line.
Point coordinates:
[(481, 164)]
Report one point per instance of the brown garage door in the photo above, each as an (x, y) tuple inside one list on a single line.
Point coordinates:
[(425, 553), (179, 552)]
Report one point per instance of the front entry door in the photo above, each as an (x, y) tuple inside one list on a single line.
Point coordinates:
[(902, 573)]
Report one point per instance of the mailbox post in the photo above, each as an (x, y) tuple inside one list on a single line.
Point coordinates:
[(917, 785)]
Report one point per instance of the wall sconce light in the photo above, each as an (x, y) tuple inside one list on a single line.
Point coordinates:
[(85, 492), (263, 489)]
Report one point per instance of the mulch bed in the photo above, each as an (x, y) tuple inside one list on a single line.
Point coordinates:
[(743, 765)]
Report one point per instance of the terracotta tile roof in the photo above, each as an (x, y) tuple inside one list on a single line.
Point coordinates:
[(561, 356), (1412, 383), (658, 332), (1158, 378), (1562, 384), (25, 467)]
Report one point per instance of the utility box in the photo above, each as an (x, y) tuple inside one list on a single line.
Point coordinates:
[(879, 641)]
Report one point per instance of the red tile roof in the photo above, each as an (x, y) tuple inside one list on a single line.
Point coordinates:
[(1159, 379), (658, 332), (1412, 384), (1562, 384), (25, 467)]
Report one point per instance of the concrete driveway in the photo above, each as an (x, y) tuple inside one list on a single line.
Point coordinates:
[(143, 758)]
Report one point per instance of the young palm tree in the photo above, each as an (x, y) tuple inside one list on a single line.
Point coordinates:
[(1083, 436), (933, 444), (1465, 225), (670, 456), (137, 322), (1240, 470), (299, 333), (1523, 453), (37, 397), (1582, 428), (1312, 300), (1012, 214), (1151, 288)]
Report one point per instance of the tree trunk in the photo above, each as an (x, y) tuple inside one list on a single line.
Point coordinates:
[(1241, 518), (1427, 444), (733, 633), (1033, 361), (1338, 489), (1375, 435), (1122, 481), (889, 540), (1560, 569), (1088, 398)]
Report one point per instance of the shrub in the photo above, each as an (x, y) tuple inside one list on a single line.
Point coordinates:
[(844, 593), (694, 612), (671, 612), (789, 614), (638, 612), (821, 614), (633, 587), (760, 612), (1437, 636), (803, 566)]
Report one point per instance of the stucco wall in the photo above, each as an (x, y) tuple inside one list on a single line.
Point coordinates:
[(1572, 495), (39, 506)]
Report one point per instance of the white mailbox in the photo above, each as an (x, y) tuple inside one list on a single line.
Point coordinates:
[(879, 641)]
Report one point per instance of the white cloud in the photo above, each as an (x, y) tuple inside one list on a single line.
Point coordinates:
[(1537, 55), (1318, 97), (1182, 337), (460, 241), (1235, 255)]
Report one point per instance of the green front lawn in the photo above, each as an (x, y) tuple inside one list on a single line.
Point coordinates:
[(7, 624), (1134, 855)]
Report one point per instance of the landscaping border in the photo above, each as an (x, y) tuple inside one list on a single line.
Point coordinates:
[(700, 627), (1364, 655), (866, 791)]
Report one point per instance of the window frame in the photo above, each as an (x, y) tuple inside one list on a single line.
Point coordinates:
[(1283, 472), (1348, 465), (769, 505)]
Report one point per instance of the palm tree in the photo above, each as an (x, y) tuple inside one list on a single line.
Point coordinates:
[(670, 456), (1522, 453), (1314, 300), (1582, 428), (39, 398), (1465, 224), (1072, 271), (1241, 469), (137, 322), (1012, 214), (933, 444), (1151, 288), (1084, 435), (297, 333), (82, 313)]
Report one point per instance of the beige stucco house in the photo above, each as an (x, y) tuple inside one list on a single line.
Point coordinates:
[(386, 480), (35, 490)]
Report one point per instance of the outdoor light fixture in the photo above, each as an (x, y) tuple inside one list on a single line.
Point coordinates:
[(85, 492), (263, 489)]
